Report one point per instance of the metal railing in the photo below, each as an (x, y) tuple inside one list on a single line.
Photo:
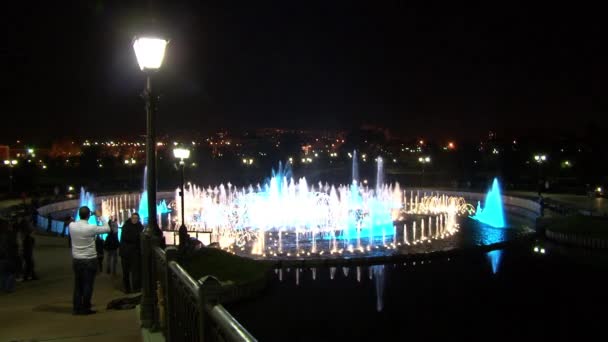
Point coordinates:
[(187, 309)]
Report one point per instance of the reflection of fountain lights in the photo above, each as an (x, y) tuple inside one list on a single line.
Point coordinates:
[(378, 271), (494, 258)]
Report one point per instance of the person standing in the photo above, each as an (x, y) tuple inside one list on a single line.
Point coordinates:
[(28, 255), (111, 247), (130, 253), (8, 256), (84, 258), (99, 250)]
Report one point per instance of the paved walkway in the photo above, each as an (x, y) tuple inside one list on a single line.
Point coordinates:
[(42, 310)]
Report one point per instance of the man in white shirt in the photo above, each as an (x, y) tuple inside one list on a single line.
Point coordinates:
[(84, 258)]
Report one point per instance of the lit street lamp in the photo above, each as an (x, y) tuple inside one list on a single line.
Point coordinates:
[(10, 164), (540, 160), (423, 161), (181, 154), (150, 52), (130, 163)]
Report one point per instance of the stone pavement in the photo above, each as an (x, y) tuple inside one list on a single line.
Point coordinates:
[(41, 310)]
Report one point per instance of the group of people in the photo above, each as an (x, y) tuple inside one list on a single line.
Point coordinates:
[(88, 250), (16, 253)]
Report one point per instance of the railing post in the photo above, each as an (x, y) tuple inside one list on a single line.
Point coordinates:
[(148, 294), (170, 255), (201, 312), (211, 289)]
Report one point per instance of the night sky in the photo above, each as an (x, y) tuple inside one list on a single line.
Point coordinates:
[(419, 70)]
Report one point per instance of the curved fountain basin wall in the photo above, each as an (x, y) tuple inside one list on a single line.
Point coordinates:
[(72, 205), (514, 205)]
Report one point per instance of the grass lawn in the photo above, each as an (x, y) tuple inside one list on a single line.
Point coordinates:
[(224, 266), (591, 226)]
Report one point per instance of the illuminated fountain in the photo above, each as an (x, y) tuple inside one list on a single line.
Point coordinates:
[(286, 217), (289, 218), (492, 212)]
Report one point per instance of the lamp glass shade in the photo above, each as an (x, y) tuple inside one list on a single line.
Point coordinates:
[(150, 52), (181, 153)]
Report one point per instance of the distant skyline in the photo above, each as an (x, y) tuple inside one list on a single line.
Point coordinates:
[(438, 72)]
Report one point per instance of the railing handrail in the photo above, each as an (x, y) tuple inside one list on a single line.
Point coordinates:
[(184, 277), (234, 331)]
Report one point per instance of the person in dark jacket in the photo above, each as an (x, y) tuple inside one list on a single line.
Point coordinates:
[(99, 250), (9, 256), (111, 247), (130, 253), (28, 255)]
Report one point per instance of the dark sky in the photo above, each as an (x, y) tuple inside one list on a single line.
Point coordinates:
[(419, 70)]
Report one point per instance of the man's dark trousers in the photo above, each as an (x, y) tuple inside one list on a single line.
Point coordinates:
[(84, 277)]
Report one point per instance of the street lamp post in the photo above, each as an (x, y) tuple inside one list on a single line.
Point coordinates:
[(130, 163), (11, 164), (150, 52), (540, 159), (181, 154), (423, 161)]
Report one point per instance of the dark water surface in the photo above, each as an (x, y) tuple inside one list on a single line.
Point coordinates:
[(561, 294)]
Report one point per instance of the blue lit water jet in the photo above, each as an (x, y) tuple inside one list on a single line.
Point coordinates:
[(379, 174), (355, 168), (86, 199), (493, 212), (161, 207)]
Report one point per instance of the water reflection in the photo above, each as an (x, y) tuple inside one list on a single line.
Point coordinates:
[(371, 278), (376, 274), (378, 271), (494, 258), (488, 235)]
